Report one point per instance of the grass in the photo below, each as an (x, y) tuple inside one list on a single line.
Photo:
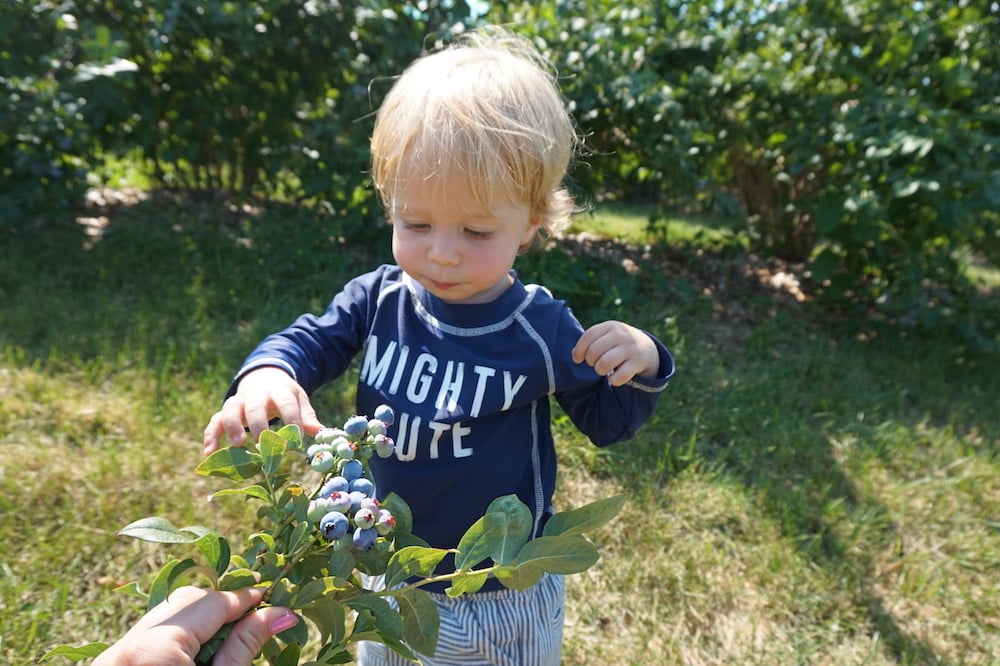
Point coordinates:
[(802, 495)]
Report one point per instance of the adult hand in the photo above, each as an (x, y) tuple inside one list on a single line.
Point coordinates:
[(619, 351), (262, 394), (173, 631)]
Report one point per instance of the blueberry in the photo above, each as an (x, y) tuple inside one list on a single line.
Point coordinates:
[(356, 426), (341, 501), (356, 499), (364, 452), (318, 508), (376, 427), (334, 525), (384, 522), (370, 503), (345, 450), (385, 414), (325, 436), (323, 461), (364, 539), (353, 469), (364, 518), (334, 484), (384, 446), (363, 485)]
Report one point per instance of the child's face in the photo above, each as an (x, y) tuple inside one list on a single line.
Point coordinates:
[(452, 245)]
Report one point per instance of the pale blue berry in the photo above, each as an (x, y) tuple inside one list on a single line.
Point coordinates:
[(334, 525), (384, 414), (341, 501), (334, 484), (325, 436), (356, 426), (364, 539), (323, 461), (376, 427), (353, 469), (363, 485)]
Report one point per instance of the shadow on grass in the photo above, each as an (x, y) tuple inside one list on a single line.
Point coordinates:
[(766, 393), (166, 278)]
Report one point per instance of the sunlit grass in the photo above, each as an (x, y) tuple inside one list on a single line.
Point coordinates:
[(800, 496)]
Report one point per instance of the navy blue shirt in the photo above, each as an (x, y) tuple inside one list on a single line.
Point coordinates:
[(470, 386)]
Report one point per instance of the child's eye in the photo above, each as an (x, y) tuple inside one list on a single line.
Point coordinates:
[(415, 226), (476, 234)]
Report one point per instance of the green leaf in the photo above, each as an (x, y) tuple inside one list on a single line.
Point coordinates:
[(290, 655), (518, 530), (824, 265), (161, 530), (233, 462), (829, 211), (387, 621), (256, 491), (480, 540), (317, 589), (237, 579), (299, 634), (518, 577), (292, 434), (272, 447), (421, 622), (412, 561), (584, 518), (133, 590), (330, 617), (216, 550), (298, 535), (400, 510), (165, 579), (88, 651), (467, 584), (559, 554)]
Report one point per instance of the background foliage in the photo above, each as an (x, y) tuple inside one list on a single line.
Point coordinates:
[(857, 138)]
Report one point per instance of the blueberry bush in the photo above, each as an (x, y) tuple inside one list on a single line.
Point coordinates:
[(320, 537)]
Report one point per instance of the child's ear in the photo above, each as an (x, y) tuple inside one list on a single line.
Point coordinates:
[(529, 234)]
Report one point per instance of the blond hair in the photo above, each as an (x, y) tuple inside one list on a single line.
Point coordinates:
[(485, 109)]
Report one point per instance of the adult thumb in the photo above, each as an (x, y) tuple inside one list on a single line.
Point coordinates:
[(248, 636)]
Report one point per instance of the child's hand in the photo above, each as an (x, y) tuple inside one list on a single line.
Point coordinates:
[(618, 351), (262, 394)]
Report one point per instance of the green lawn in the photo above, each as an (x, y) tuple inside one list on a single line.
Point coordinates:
[(805, 494)]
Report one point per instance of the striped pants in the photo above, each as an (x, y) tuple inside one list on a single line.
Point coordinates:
[(503, 628)]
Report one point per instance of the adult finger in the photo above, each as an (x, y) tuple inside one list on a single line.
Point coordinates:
[(249, 635)]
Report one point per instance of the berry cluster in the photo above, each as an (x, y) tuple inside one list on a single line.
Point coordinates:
[(347, 497)]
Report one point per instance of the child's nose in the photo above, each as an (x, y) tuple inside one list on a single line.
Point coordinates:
[(443, 249)]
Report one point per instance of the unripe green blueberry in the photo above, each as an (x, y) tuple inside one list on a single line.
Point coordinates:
[(318, 508), (364, 452), (376, 427), (384, 522), (364, 518), (323, 461), (325, 436), (384, 446), (345, 450)]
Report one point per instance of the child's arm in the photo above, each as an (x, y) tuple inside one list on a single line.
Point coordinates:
[(619, 351), (262, 394)]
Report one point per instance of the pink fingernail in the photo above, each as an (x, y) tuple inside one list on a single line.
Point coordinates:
[(286, 621)]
